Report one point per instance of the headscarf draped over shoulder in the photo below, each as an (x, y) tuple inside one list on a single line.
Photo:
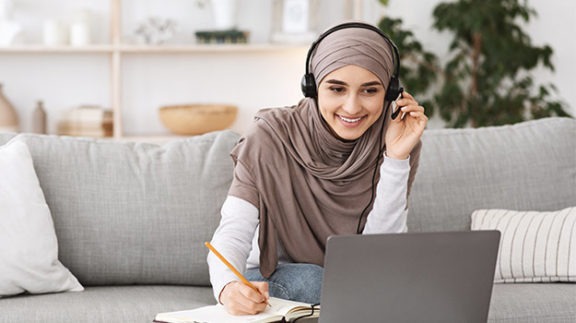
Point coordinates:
[(306, 183)]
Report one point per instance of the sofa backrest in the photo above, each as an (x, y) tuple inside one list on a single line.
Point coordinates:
[(134, 213), (527, 166), (5, 137)]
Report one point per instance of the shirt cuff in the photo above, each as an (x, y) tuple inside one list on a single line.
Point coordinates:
[(399, 164), (224, 279)]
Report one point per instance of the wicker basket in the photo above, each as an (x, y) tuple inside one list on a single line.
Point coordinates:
[(195, 119)]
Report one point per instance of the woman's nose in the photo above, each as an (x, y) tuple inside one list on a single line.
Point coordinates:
[(352, 105)]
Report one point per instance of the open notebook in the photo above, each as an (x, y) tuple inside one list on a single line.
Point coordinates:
[(278, 309)]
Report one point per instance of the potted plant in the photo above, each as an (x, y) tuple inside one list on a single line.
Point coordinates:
[(487, 78), (419, 68)]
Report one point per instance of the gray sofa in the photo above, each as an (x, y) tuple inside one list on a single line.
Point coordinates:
[(131, 218)]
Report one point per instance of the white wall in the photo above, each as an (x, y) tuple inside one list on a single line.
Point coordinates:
[(251, 81)]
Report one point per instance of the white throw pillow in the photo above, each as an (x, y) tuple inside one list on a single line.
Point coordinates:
[(535, 246), (28, 246)]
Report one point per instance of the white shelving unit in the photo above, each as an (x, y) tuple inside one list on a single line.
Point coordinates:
[(117, 52)]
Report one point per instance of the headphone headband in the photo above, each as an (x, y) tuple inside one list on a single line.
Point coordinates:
[(309, 83)]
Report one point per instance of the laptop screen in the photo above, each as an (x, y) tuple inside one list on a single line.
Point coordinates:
[(409, 277)]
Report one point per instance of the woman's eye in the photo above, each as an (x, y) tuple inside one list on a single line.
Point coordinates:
[(336, 89), (371, 90)]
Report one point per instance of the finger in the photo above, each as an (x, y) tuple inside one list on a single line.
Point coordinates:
[(407, 103), (417, 121), (247, 301), (262, 288), (248, 307), (418, 115), (414, 112), (254, 296), (234, 301), (407, 99), (412, 108), (407, 95)]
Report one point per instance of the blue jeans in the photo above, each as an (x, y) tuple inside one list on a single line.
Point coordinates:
[(295, 282)]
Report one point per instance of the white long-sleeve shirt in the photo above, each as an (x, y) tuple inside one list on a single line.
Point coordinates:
[(237, 236)]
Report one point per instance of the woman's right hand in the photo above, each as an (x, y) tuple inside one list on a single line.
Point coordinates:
[(240, 299)]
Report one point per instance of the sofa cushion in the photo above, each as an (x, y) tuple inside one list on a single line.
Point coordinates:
[(28, 245), (526, 166), (535, 246), (533, 303), (134, 213), (104, 304)]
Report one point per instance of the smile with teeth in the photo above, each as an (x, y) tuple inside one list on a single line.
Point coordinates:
[(349, 120)]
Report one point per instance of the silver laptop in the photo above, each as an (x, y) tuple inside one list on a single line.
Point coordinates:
[(409, 277)]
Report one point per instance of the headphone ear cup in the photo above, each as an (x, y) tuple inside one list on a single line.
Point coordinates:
[(308, 85), (393, 89)]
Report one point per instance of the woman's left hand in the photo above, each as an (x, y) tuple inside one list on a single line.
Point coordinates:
[(405, 131)]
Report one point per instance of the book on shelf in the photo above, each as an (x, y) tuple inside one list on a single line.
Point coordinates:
[(280, 310), (90, 121)]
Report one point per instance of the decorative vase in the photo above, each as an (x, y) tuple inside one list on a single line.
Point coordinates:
[(55, 33), (224, 13), (8, 115), (39, 124), (80, 28)]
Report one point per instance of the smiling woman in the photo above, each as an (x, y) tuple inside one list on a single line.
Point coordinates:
[(335, 163), (350, 101)]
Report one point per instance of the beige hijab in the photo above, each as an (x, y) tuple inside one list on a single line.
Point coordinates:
[(306, 183)]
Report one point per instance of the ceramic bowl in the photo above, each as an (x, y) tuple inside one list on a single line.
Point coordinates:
[(196, 119)]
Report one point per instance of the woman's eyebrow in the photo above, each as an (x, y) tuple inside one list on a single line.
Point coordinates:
[(332, 81), (372, 83)]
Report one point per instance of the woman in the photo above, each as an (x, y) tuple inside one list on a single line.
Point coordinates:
[(336, 163)]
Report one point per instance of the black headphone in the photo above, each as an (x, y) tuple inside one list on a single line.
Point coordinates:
[(308, 83)]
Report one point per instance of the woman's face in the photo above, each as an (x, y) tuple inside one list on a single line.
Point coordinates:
[(350, 99)]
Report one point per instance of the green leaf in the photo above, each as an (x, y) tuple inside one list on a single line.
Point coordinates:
[(487, 77)]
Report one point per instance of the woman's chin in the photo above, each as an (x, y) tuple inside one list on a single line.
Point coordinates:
[(349, 134)]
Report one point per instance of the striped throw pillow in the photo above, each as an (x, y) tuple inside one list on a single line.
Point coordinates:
[(534, 246)]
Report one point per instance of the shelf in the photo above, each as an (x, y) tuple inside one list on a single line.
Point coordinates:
[(118, 53), (206, 48), (147, 49), (42, 49)]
